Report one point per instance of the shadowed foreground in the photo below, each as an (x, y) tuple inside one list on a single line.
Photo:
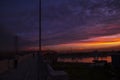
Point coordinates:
[(33, 68)]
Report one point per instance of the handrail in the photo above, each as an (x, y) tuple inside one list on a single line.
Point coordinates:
[(8, 64)]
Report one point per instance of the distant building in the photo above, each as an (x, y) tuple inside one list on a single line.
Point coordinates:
[(116, 60)]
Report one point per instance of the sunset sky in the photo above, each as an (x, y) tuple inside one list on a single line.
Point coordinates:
[(19, 17), (80, 24)]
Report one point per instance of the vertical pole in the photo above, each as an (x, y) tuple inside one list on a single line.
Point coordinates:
[(39, 46), (38, 66), (16, 45), (16, 52)]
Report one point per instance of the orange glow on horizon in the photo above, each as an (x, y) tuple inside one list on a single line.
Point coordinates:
[(92, 43)]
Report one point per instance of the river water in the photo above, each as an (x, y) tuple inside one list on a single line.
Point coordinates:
[(84, 59)]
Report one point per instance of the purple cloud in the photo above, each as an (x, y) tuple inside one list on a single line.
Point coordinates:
[(68, 21)]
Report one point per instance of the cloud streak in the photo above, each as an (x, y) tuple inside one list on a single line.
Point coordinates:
[(92, 43), (69, 21)]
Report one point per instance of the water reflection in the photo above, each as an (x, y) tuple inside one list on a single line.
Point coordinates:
[(84, 59)]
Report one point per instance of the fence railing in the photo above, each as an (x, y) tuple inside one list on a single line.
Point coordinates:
[(8, 64)]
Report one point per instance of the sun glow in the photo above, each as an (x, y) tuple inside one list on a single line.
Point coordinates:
[(92, 43)]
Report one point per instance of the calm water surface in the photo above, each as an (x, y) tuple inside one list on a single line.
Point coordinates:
[(84, 59)]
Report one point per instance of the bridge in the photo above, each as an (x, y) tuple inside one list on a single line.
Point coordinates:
[(30, 67)]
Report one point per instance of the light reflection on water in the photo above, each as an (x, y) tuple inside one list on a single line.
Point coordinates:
[(84, 59)]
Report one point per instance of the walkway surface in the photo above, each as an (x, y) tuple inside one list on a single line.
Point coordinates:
[(30, 69)]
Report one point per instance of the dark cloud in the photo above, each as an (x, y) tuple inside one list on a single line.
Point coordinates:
[(21, 17), (65, 21), (6, 40)]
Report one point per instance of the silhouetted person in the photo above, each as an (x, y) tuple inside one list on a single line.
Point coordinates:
[(15, 63), (33, 55)]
